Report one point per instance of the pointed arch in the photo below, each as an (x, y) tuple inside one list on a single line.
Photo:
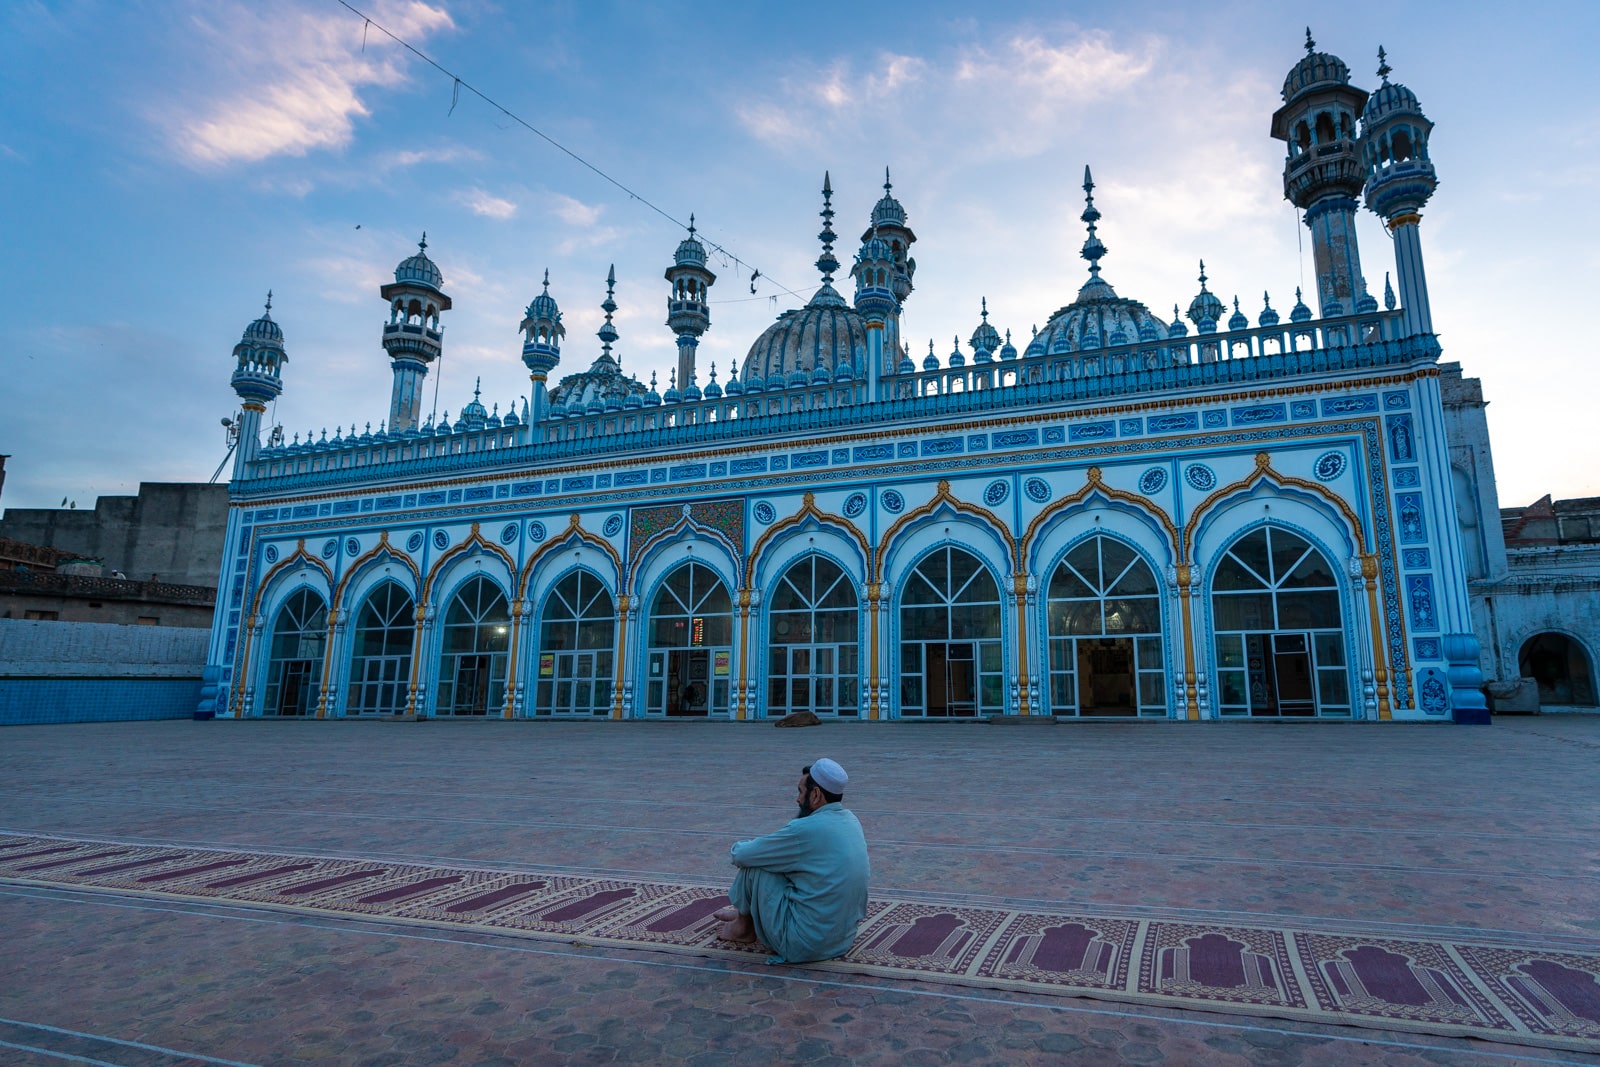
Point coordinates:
[(474, 541), (574, 533), (808, 511), (686, 524), (1094, 484), (356, 572), (296, 560), (1264, 472), (943, 498)]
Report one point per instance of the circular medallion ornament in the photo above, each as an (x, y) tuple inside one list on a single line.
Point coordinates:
[(996, 493), (764, 513), (329, 547), (536, 531), (1153, 480), (855, 505), (892, 501), (1038, 490), (271, 554), (352, 546), (1329, 466), (613, 525), (414, 542), (441, 539), (508, 533), (1199, 476)]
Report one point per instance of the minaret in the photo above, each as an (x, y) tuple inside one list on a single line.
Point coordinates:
[(889, 226), (257, 379), (1323, 173), (608, 332), (541, 346), (1400, 179), (413, 336), (687, 312)]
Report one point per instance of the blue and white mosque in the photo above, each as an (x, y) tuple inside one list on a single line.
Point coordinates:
[(1199, 518)]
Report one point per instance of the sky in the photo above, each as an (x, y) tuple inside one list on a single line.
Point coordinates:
[(164, 164)]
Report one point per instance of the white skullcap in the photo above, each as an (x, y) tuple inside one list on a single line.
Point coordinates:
[(829, 775)]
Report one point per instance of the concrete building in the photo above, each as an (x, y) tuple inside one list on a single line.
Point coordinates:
[(1131, 516)]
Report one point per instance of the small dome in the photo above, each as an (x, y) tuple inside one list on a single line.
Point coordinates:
[(632, 400), (1238, 320), (1205, 306), (511, 418), (1268, 317), (1389, 98), (734, 388), (474, 416), (419, 269), (713, 391), (985, 338), (543, 306), (1177, 329), (888, 211), (263, 329), (1315, 69), (1299, 313), (1008, 350), (956, 358), (930, 361), (905, 366), (691, 253), (603, 380)]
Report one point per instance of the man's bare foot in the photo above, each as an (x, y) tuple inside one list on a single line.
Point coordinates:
[(738, 929), (726, 915)]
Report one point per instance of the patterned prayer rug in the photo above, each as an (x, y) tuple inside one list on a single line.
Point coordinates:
[(1464, 986)]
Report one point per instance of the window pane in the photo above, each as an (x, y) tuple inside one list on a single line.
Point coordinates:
[(989, 656), (1231, 574), (1286, 552), (1308, 610), (1313, 572), (1243, 611), (1138, 580), (993, 693), (1332, 687), (1140, 616), (1152, 689), (1079, 618), (1150, 656), (1085, 559), (1251, 550), (1061, 698), (1067, 583), (924, 624), (1230, 650), (1061, 655), (1329, 649), (1232, 685)]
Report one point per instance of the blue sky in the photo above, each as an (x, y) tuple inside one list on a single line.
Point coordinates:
[(163, 164)]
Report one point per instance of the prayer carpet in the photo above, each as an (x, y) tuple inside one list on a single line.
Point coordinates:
[(1490, 988)]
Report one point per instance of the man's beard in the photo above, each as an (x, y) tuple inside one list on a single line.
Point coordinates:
[(804, 811)]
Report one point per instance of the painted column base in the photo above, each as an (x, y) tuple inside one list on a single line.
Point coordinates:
[(1467, 703)]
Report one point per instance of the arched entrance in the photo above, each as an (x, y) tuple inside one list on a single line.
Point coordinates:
[(950, 662), (576, 642), (474, 648), (299, 642), (691, 644), (812, 640), (1561, 668), (380, 664), (1104, 613), (1279, 630)]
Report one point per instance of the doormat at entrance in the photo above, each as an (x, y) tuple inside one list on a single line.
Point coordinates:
[(1458, 987)]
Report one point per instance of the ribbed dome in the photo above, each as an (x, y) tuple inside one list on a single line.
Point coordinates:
[(1091, 320), (825, 333), (263, 329), (1315, 69), (419, 269), (1387, 99), (603, 381)]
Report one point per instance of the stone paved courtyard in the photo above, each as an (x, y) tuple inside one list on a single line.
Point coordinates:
[(1406, 829)]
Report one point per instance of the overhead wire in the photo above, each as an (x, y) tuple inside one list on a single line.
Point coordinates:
[(459, 84)]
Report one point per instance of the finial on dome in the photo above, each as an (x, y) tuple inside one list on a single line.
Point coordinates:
[(713, 370), (887, 185), (691, 224), (1383, 65), (1203, 262), (477, 387), (608, 332), (985, 309), (422, 245), (1093, 249), (269, 301), (1311, 46), (547, 279), (826, 262)]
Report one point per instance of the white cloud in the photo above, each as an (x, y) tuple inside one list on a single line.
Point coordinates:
[(427, 155), (291, 83), (575, 212), (490, 207)]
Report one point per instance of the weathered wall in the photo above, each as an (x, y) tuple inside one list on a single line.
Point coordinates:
[(28, 594), (171, 529), (54, 672)]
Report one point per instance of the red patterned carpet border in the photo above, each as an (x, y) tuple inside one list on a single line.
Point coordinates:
[(1450, 987)]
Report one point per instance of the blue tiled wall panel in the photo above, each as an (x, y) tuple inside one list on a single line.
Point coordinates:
[(25, 701)]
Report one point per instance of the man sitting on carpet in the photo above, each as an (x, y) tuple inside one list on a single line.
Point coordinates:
[(802, 889)]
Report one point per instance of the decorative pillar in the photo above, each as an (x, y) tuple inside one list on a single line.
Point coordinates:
[(1381, 672), (329, 652), (1020, 584), (875, 709), (620, 658), (1185, 575), (741, 701), (514, 686)]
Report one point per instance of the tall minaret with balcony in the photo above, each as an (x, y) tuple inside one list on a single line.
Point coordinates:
[(413, 336), (1400, 179), (687, 312), (257, 378), (541, 347), (874, 270), (1323, 173), (889, 226)]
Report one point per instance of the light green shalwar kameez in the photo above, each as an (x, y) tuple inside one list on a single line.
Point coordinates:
[(805, 886)]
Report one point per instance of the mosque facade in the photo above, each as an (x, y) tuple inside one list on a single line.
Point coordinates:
[(1199, 518)]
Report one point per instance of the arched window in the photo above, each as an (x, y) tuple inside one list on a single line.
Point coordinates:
[(1279, 629), (473, 650), (1104, 613), (1402, 146), (1325, 132), (813, 651), (299, 642), (1559, 665), (691, 644), (950, 662), (380, 663), (576, 642)]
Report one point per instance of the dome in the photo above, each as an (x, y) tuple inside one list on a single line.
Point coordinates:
[(691, 253), (1388, 98), (1098, 313), (1008, 350), (1238, 320), (1269, 315), (474, 415), (263, 329), (1299, 313), (985, 338), (419, 269), (888, 211), (825, 333), (1205, 307), (1315, 69), (544, 305), (602, 382)]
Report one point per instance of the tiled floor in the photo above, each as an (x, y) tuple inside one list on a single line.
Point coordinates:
[(1406, 828)]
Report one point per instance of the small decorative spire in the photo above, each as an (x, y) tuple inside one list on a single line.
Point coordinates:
[(1383, 65), (652, 381), (1311, 46), (547, 279), (422, 245), (888, 186), (269, 303), (380, 426), (608, 332), (1203, 262), (477, 385), (1093, 249), (1388, 293), (691, 224), (1266, 300), (827, 263), (986, 311)]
